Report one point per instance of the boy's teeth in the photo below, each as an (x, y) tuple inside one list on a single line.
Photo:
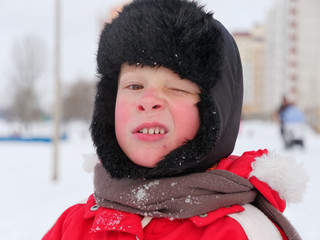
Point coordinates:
[(152, 131)]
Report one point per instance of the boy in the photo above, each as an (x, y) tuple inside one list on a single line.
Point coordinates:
[(166, 118)]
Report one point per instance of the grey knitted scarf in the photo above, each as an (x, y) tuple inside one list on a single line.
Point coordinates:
[(183, 197)]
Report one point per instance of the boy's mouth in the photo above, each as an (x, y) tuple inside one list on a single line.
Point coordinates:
[(152, 131)]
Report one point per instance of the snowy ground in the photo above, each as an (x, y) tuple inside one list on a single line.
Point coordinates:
[(30, 202)]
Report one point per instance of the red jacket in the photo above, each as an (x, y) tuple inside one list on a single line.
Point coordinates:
[(89, 222)]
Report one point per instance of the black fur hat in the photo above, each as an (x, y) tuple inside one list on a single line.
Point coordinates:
[(181, 36)]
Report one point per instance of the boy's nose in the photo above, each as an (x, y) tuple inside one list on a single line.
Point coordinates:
[(146, 108), (150, 101)]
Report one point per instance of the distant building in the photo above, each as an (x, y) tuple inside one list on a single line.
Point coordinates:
[(109, 14), (293, 56), (282, 58), (252, 50)]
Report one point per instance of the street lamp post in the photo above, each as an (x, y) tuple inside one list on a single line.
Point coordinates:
[(57, 93)]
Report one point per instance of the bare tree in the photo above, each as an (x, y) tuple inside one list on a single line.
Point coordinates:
[(28, 57), (78, 101)]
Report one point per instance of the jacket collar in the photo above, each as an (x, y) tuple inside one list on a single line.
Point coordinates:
[(113, 220), (208, 218)]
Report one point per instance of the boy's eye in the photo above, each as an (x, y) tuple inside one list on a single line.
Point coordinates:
[(135, 87), (180, 90)]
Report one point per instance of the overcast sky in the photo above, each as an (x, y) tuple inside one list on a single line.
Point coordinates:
[(80, 30)]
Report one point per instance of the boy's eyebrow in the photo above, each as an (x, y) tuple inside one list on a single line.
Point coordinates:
[(126, 74)]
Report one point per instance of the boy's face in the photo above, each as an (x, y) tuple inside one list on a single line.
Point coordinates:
[(155, 113)]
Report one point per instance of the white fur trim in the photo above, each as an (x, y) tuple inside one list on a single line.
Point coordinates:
[(89, 162), (282, 174)]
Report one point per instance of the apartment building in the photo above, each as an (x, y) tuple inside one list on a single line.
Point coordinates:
[(293, 56), (251, 45), (282, 58)]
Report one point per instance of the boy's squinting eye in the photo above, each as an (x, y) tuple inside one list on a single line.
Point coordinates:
[(184, 91), (180, 90)]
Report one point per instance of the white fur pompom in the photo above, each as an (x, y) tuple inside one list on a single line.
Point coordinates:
[(89, 162), (282, 174)]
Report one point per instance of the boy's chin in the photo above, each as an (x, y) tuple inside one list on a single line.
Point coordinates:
[(146, 161)]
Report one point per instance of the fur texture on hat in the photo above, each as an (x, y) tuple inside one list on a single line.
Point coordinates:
[(181, 36)]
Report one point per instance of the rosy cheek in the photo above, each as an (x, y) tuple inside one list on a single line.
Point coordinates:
[(187, 121), (121, 119), (120, 111)]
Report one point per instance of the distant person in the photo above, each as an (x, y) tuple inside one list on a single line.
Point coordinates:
[(282, 108), (293, 124), (166, 118)]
